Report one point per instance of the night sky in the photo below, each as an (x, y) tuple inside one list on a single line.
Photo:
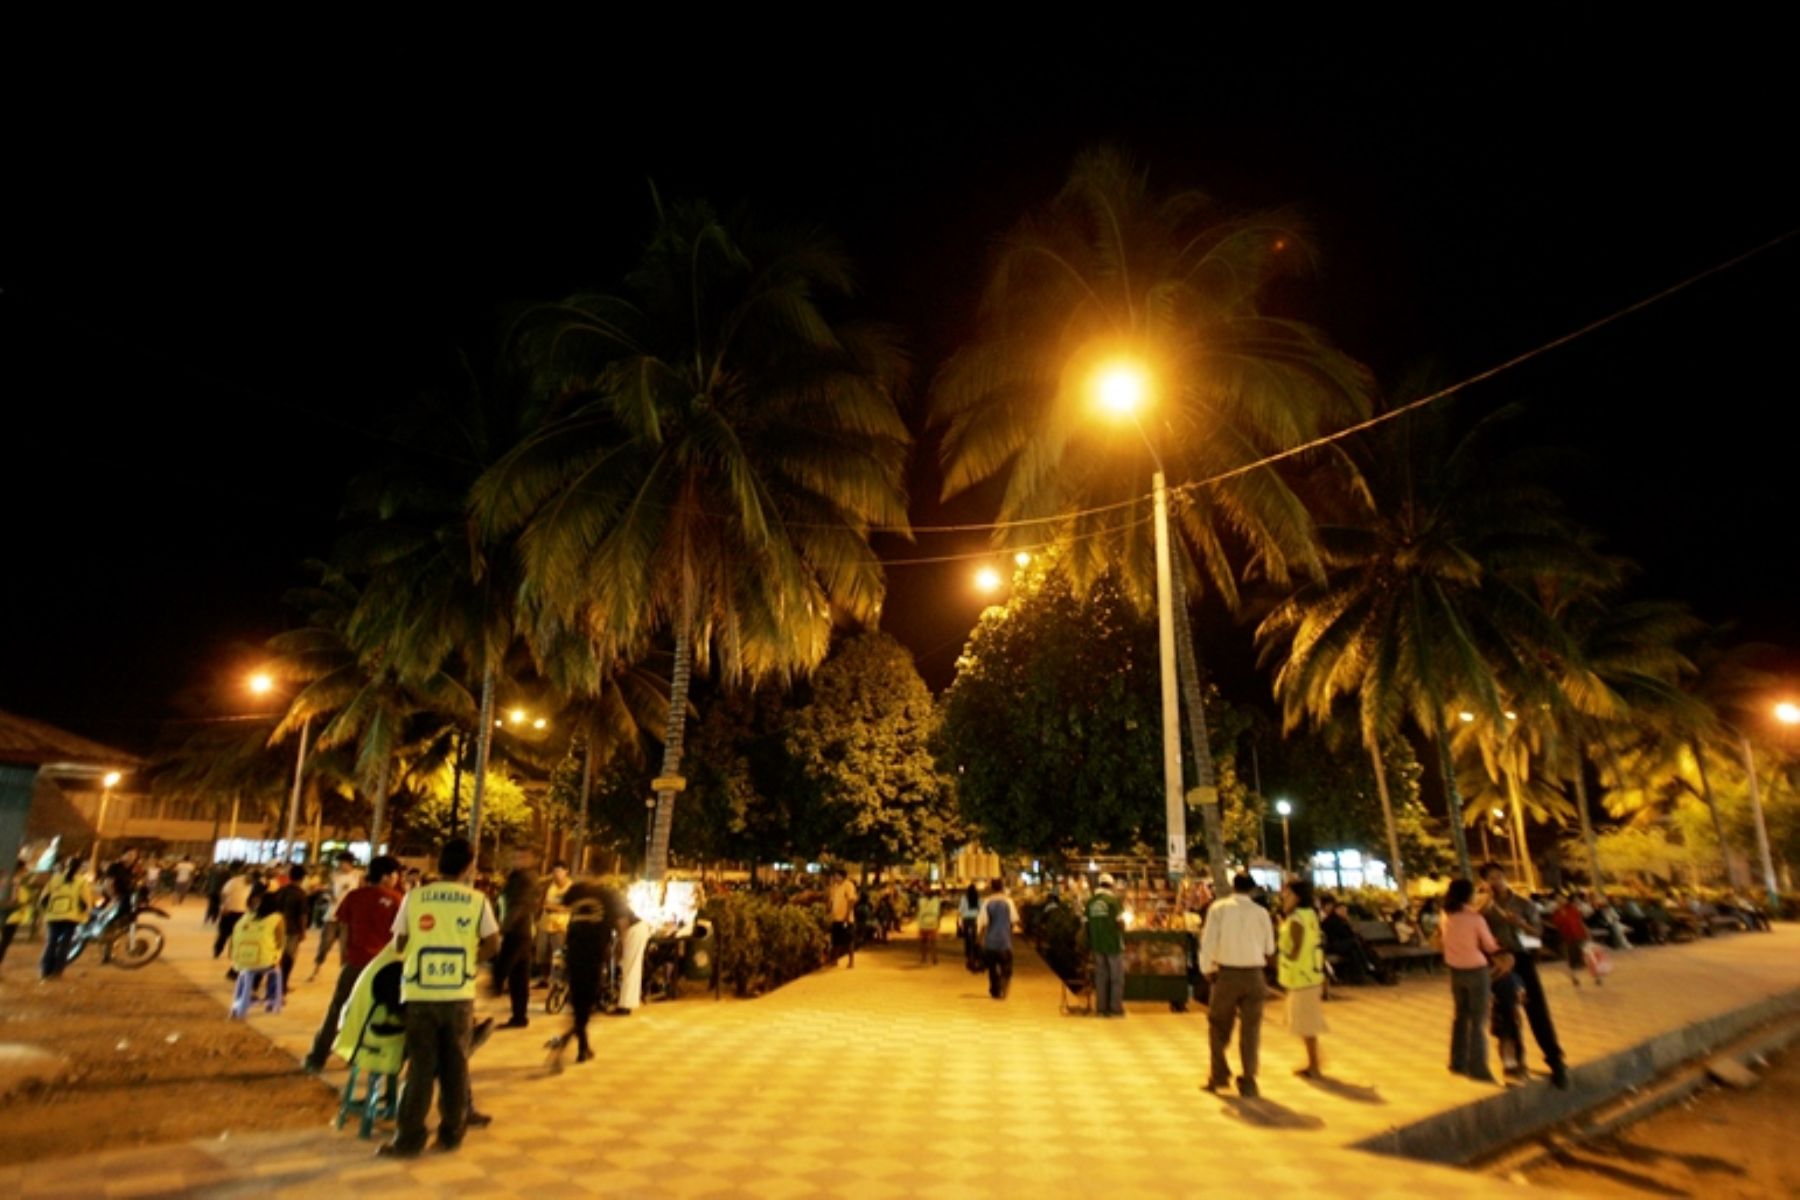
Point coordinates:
[(214, 279)]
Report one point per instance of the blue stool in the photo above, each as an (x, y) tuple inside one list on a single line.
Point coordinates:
[(381, 1100), (246, 983)]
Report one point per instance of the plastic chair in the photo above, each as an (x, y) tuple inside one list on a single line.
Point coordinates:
[(246, 986)]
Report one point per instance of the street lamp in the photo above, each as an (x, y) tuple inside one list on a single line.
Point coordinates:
[(261, 684), (1121, 389), (108, 782), (1285, 810), (1787, 713), (987, 580)]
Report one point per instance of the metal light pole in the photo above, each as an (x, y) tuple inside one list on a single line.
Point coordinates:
[(1762, 829), (107, 784), (1174, 800), (293, 813)]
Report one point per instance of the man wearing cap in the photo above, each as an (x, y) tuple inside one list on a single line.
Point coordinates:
[(1106, 941)]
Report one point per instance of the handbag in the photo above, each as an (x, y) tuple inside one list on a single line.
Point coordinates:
[(1598, 961)]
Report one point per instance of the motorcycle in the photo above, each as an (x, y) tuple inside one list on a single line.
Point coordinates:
[(123, 940)]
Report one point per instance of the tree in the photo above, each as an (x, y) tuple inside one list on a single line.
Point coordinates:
[(718, 449), (1341, 806), (1113, 269), (865, 740), (431, 818), (1428, 594)]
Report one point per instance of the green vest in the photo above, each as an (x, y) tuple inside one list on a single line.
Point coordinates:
[(1306, 969), (67, 900), (1105, 927), (443, 928), (255, 943), (24, 897)]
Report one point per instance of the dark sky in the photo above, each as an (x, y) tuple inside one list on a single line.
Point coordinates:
[(215, 278)]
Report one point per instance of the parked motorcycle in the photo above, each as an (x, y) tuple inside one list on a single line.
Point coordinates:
[(120, 932)]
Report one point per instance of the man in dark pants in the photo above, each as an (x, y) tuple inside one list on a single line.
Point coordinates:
[(1510, 916), (443, 931), (365, 918), (294, 904), (999, 917), (1236, 944)]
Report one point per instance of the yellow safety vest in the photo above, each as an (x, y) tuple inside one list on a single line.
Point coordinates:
[(443, 928), (255, 943), (1307, 969), (24, 896), (67, 900)]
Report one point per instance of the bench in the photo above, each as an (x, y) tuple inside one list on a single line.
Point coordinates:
[(1385, 945)]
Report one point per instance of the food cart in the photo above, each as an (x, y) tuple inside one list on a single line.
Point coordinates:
[(1160, 965)]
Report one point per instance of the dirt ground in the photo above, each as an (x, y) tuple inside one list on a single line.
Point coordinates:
[(1722, 1144), (147, 1058)]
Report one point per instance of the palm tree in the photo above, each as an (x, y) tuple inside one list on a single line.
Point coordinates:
[(1113, 269), (1426, 599), (718, 450)]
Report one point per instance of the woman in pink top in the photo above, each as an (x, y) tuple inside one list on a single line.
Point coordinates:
[(1467, 947)]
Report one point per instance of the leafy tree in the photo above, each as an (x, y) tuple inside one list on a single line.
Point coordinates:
[(1340, 805), (430, 819), (1112, 269), (718, 448), (865, 741), (748, 793)]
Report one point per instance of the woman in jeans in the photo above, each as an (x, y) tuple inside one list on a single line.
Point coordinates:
[(1470, 952)]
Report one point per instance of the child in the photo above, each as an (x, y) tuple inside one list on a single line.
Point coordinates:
[(1569, 923), (257, 945), (930, 912)]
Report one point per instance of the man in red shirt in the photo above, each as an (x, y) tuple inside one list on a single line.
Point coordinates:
[(365, 919)]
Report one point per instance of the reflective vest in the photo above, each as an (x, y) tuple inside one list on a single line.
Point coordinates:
[(443, 927), (256, 943), (67, 900), (1307, 969), (24, 896)]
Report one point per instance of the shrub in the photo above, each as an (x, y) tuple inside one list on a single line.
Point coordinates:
[(762, 944)]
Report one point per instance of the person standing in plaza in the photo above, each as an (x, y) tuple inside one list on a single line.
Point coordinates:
[(1106, 942), (442, 931), (512, 966), (294, 904), (1235, 947), (19, 905), (840, 909), (67, 902), (1301, 968), (999, 917), (931, 913), (234, 902), (1472, 955), (184, 878), (345, 879), (597, 916), (553, 927), (968, 916), (365, 920), (1511, 918)]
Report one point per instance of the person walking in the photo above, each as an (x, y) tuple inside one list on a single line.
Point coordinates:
[(295, 905), (365, 920), (184, 878), (234, 902), (443, 931), (67, 902), (931, 913), (20, 905), (597, 916), (999, 917), (1472, 955), (1572, 928), (634, 940), (512, 966), (344, 879), (1106, 942), (1236, 945), (968, 916), (1301, 968), (840, 909), (1512, 918)]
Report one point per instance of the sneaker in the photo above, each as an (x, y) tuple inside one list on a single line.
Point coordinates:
[(1246, 1087), (1559, 1076), (447, 1146), (396, 1150)]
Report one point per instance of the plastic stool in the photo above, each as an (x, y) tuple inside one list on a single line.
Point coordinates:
[(246, 983), (383, 1095)]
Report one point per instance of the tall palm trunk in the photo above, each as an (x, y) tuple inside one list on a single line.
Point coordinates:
[(456, 773), (657, 857), (378, 806), (1712, 806), (1527, 868), (1205, 773), (486, 723), (1587, 822), (1453, 801), (587, 788), (1387, 815)]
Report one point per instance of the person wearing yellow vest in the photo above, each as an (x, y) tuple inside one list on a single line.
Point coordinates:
[(1301, 967), (442, 931), (258, 942), (67, 902), (19, 903)]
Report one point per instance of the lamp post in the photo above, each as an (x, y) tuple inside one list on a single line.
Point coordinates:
[(107, 783), (1786, 713), (1285, 811), (262, 684), (1122, 390)]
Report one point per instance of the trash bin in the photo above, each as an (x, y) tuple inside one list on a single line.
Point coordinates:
[(1157, 962), (697, 960)]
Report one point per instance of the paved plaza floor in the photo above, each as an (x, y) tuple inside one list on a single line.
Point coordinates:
[(892, 1079)]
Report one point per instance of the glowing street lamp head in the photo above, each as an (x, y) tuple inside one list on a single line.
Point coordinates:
[(1022, 559), (987, 580), (1465, 717), (539, 723), (1788, 713), (112, 779), (261, 683), (1284, 808), (517, 716), (1122, 388)]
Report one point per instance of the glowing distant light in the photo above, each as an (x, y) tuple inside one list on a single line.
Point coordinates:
[(517, 715), (1284, 808), (538, 724), (1121, 389), (499, 724), (1022, 559), (1512, 716), (1280, 244), (987, 580), (1499, 813), (261, 684), (112, 779), (1465, 717), (1788, 713)]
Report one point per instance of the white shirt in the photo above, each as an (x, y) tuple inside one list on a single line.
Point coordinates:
[(1238, 933), (342, 884), (234, 897)]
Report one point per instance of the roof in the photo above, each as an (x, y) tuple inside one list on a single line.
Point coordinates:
[(28, 743)]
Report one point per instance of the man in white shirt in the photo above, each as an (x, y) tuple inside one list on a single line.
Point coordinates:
[(1237, 943), (344, 880), (234, 902)]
